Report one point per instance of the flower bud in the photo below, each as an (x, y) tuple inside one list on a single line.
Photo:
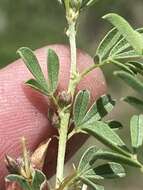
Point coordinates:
[(64, 98), (53, 118), (12, 165)]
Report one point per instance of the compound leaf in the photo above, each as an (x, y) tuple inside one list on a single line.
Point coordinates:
[(134, 38), (122, 45)]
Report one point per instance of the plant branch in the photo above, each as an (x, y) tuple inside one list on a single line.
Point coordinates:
[(91, 68)]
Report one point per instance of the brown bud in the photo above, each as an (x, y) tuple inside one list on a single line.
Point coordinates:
[(53, 118), (12, 165), (64, 98), (39, 155)]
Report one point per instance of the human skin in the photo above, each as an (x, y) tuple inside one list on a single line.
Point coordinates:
[(23, 111)]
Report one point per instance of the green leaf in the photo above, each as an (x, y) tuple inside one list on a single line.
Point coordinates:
[(80, 106), (119, 47), (134, 38), (110, 170), (38, 179), (127, 56), (85, 169), (106, 135), (99, 109), (123, 67), (32, 64), (136, 127), (20, 180), (86, 158), (35, 85), (115, 157), (132, 67), (91, 184), (122, 45), (107, 43), (53, 70), (137, 103), (114, 124), (138, 66), (132, 81)]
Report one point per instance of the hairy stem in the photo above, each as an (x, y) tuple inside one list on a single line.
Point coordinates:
[(65, 116), (62, 147), (73, 71)]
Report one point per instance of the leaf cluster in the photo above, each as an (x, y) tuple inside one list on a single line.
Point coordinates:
[(90, 121), (123, 47)]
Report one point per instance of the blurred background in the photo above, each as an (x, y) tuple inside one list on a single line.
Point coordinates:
[(35, 23)]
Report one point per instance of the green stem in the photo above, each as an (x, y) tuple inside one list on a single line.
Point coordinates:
[(91, 68), (65, 115), (63, 131), (73, 71)]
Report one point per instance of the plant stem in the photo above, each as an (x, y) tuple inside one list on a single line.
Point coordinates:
[(91, 68), (62, 147), (65, 115), (73, 71)]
